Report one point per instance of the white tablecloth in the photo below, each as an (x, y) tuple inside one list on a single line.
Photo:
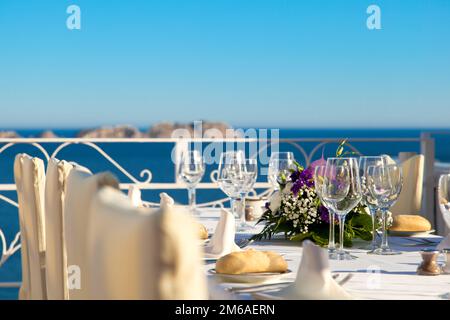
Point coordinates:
[(374, 276)]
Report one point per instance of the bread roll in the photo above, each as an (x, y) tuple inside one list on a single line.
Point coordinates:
[(202, 232), (410, 223), (277, 262), (251, 261)]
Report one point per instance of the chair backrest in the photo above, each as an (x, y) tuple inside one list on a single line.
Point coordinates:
[(410, 199), (81, 185), (29, 175), (55, 194), (443, 198), (139, 253)]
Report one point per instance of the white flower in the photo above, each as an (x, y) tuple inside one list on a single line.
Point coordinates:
[(275, 201)]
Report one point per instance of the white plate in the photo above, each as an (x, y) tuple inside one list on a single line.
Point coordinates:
[(267, 296), (257, 277), (410, 233)]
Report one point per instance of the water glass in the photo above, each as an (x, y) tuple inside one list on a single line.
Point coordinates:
[(319, 174), (367, 198), (191, 170), (244, 178), (229, 162), (280, 166), (342, 190), (385, 184)]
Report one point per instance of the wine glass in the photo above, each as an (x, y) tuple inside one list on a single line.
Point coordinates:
[(280, 164), (444, 197), (244, 177), (229, 162), (191, 170), (367, 198), (319, 174), (342, 190), (385, 184)]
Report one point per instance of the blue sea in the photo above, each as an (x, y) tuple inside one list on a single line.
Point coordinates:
[(135, 157)]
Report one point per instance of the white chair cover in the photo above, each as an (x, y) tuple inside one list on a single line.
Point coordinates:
[(81, 185), (138, 253), (29, 175), (134, 193), (55, 194), (410, 199)]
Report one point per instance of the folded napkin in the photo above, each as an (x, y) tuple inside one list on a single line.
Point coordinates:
[(134, 193), (445, 243), (314, 280), (222, 241), (166, 200)]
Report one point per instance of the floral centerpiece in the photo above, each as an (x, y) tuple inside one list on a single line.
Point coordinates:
[(297, 212)]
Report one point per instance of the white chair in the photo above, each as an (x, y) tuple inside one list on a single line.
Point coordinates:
[(29, 175), (443, 197), (55, 194), (134, 193), (81, 185), (139, 253), (410, 199)]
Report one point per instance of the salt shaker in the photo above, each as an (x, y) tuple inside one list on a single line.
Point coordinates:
[(429, 265), (446, 267)]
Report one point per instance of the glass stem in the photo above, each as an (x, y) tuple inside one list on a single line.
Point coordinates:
[(331, 243), (192, 202), (242, 209), (373, 213), (341, 233), (384, 241), (233, 206)]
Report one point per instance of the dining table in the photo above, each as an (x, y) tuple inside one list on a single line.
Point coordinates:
[(384, 277)]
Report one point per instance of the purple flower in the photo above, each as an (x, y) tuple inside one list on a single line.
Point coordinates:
[(300, 179), (295, 175), (307, 176), (296, 186), (324, 214)]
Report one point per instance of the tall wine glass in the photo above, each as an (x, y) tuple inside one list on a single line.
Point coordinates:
[(244, 177), (385, 184), (191, 170), (280, 164), (319, 175), (342, 190), (367, 198), (444, 197), (229, 162)]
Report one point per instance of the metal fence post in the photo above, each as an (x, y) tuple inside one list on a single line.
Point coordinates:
[(427, 148)]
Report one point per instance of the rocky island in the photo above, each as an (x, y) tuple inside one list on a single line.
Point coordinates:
[(158, 130)]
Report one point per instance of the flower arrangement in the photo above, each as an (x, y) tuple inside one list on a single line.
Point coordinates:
[(297, 212)]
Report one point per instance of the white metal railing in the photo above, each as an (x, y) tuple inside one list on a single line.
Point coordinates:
[(145, 180)]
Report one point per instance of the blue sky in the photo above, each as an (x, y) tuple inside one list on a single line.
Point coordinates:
[(277, 63)]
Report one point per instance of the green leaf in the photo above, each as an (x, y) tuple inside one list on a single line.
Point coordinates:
[(298, 165), (340, 148)]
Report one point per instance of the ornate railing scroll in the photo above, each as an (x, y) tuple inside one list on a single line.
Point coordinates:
[(145, 179)]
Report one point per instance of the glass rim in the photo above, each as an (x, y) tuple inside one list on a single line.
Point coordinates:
[(343, 158), (289, 153), (374, 157)]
